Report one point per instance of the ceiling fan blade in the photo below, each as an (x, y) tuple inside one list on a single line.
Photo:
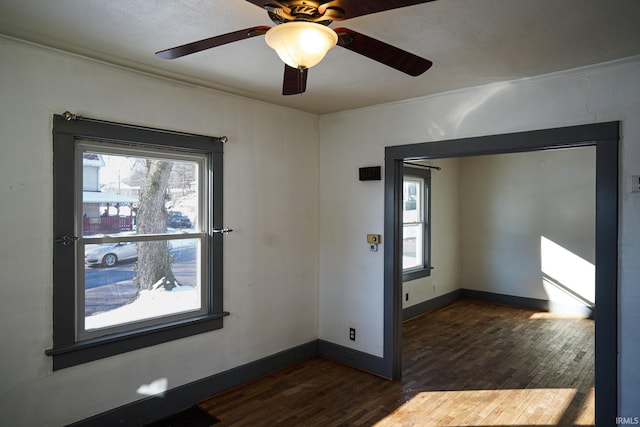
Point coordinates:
[(295, 80), (382, 52), (353, 8), (189, 48)]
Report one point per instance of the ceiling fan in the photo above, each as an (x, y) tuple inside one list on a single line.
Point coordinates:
[(301, 37)]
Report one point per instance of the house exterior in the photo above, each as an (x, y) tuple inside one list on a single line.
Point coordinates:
[(298, 271), (101, 209)]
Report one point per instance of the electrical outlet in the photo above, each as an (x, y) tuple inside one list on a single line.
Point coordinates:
[(635, 183), (352, 334)]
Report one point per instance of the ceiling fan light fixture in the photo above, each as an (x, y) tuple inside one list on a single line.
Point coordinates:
[(301, 44)]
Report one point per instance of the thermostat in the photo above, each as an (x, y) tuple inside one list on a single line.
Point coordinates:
[(374, 238)]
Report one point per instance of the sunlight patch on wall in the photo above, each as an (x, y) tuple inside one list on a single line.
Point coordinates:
[(567, 278), (474, 102)]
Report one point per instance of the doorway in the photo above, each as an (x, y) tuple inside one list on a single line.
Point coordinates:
[(604, 136)]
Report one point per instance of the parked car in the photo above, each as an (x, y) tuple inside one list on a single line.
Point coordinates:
[(178, 220), (109, 254)]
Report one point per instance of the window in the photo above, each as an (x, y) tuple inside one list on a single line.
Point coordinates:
[(416, 212), (138, 248)]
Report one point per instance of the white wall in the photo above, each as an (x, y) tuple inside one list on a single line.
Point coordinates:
[(271, 260), (526, 214), (351, 278), (445, 236)]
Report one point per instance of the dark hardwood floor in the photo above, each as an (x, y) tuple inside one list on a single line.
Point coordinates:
[(468, 364)]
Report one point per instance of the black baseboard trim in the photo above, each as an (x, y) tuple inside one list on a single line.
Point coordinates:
[(179, 398), (430, 305), (354, 358), (530, 303), (503, 299)]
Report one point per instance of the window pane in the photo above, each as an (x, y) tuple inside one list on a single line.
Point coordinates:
[(111, 290), (113, 185), (411, 209), (412, 246)]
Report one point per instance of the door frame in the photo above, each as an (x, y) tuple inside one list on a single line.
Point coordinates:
[(605, 137)]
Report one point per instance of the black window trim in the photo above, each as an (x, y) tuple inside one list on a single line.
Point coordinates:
[(66, 351), (425, 270)]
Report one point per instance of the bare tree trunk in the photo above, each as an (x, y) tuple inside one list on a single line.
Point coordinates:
[(154, 263)]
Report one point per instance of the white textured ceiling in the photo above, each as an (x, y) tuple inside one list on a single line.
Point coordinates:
[(471, 42)]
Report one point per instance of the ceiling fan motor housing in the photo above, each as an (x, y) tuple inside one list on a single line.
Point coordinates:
[(299, 10)]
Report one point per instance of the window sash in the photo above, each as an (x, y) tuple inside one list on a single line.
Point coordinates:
[(82, 333), (415, 226), (414, 220), (417, 245), (112, 149)]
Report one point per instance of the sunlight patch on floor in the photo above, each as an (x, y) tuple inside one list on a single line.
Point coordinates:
[(154, 388), (544, 407), (555, 315)]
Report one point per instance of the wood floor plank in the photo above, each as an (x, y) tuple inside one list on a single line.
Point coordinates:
[(470, 363)]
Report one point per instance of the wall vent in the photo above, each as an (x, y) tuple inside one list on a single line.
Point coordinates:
[(371, 173)]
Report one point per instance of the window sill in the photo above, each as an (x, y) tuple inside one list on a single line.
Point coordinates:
[(416, 274), (99, 348)]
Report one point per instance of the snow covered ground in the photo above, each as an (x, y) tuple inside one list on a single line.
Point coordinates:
[(149, 304)]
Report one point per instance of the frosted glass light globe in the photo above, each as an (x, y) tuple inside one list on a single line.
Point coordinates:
[(301, 44)]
